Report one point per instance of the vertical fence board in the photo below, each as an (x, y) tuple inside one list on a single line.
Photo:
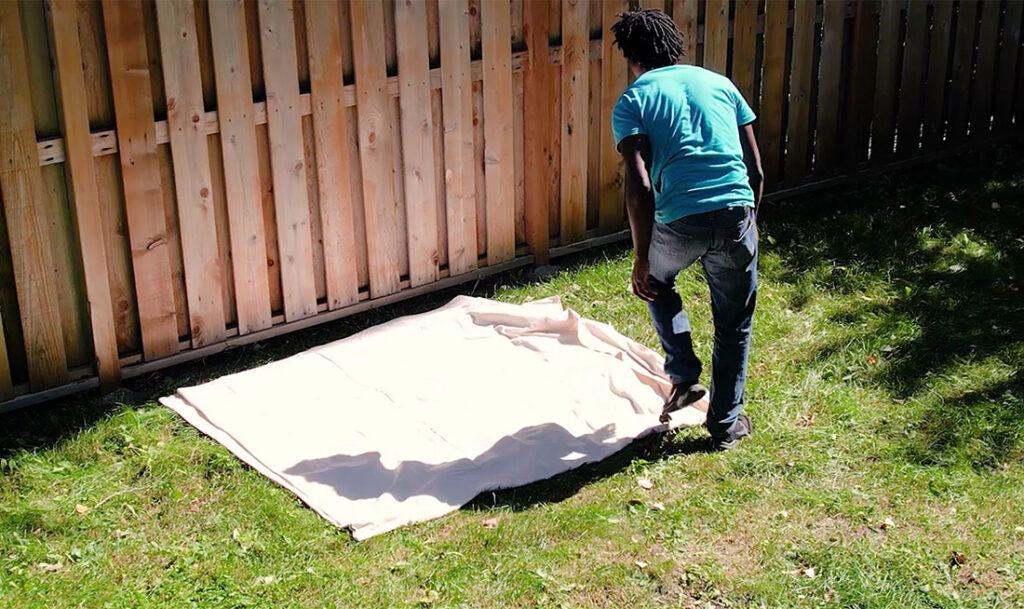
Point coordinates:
[(938, 65), (554, 108), (287, 158), (684, 13), (498, 134), (457, 103), (988, 40), (332, 158), (417, 139), (192, 180), (798, 124), (744, 48), (829, 71), (575, 89), (479, 172), (25, 208), (912, 81), (772, 88), (1006, 75), (887, 83), (5, 366), (68, 274), (239, 151), (614, 77), (536, 146), (381, 214), (140, 174), (860, 91), (963, 54), (87, 211), (716, 34)]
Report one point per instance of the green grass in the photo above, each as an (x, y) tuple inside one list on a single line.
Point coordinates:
[(885, 383)]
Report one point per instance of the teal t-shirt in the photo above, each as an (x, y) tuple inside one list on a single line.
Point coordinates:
[(692, 118)]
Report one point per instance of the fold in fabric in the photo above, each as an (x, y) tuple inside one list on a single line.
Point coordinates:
[(410, 420)]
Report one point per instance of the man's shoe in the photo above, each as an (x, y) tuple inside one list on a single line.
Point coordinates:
[(683, 395), (739, 430)]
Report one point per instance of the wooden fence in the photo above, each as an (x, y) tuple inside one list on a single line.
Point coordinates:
[(179, 177)]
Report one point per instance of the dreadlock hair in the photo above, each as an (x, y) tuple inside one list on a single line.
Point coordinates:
[(649, 37)]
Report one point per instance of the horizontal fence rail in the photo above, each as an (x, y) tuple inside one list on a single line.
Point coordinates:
[(180, 177)]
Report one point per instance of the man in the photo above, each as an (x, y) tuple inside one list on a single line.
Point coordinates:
[(693, 185)]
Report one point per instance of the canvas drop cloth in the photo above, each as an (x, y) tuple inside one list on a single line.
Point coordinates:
[(411, 419)]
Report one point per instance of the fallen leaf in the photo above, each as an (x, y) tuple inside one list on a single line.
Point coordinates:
[(645, 483), (81, 509), (1018, 529), (51, 567), (426, 597), (957, 558), (490, 523), (900, 401), (830, 595), (641, 564), (996, 206), (266, 579), (956, 268), (658, 507), (888, 523), (872, 360), (809, 572)]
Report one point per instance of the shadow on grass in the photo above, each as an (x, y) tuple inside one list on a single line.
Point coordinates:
[(946, 243), (655, 447)]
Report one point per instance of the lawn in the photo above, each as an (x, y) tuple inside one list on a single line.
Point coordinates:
[(887, 469)]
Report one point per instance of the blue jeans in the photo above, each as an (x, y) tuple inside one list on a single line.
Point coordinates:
[(725, 242)]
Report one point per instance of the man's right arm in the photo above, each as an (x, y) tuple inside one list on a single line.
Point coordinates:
[(752, 159)]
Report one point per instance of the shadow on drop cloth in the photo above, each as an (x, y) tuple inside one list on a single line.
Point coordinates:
[(517, 460)]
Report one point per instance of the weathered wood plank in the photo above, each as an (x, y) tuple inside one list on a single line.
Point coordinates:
[(829, 72), (536, 144), (772, 89), (938, 77), (716, 34), (381, 213), (684, 13), (192, 180), (87, 210), (140, 175), (457, 102), (5, 366), (239, 150), (985, 70), (417, 140), (575, 90), (71, 292), (744, 48), (798, 124), (25, 208), (912, 80), (860, 90), (963, 55), (287, 159), (886, 83), (332, 156), (499, 147), (614, 78), (1007, 71)]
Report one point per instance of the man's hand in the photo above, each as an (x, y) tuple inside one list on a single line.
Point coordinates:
[(642, 281)]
